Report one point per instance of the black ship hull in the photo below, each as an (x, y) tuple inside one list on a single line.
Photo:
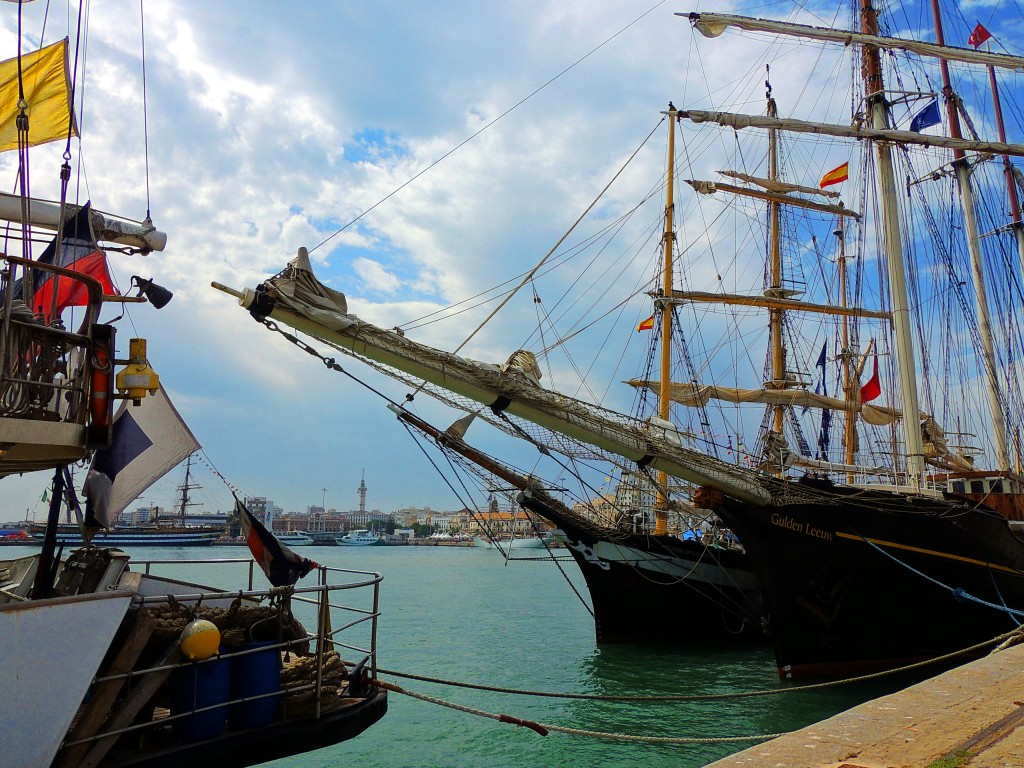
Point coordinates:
[(857, 581), (647, 588)]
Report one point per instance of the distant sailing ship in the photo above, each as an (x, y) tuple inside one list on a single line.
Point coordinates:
[(891, 548), (153, 535)]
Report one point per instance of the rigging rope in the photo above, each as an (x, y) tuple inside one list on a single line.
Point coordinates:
[(544, 728), (463, 143), (532, 272), (957, 592), (1002, 641), (145, 109)]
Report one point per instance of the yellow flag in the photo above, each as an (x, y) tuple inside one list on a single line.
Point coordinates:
[(47, 92), (647, 324)]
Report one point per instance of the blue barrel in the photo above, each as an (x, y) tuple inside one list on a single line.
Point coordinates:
[(197, 686), (255, 674)]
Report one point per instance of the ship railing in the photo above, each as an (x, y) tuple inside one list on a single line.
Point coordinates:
[(45, 369), (330, 598)]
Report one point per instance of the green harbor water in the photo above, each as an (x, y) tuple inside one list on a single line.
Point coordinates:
[(464, 614)]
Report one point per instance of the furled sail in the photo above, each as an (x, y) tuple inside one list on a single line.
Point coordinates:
[(698, 395), (295, 297), (778, 185)]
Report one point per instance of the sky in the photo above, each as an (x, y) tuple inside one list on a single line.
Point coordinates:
[(271, 126)]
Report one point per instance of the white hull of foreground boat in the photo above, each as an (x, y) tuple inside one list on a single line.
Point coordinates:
[(42, 698)]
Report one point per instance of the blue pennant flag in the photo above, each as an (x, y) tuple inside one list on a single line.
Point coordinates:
[(927, 117)]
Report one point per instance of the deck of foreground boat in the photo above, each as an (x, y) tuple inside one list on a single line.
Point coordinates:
[(974, 710)]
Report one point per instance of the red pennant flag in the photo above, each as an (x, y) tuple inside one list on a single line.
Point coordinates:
[(978, 36), (647, 324), (873, 387), (282, 566)]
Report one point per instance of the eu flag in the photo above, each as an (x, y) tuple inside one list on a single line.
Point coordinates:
[(927, 117)]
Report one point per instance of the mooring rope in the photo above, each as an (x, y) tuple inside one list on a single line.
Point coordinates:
[(957, 592), (544, 728), (1002, 641)]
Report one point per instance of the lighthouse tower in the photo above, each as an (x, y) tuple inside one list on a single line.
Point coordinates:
[(362, 493)]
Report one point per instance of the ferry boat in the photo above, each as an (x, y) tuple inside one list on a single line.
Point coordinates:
[(360, 538), (294, 538)]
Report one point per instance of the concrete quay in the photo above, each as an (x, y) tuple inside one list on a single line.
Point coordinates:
[(968, 717)]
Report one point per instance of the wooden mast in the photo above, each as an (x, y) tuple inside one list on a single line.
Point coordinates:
[(963, 179), (849, 380), (184, 492), (775, 316), (1011, 188), (879, 115), (664, 393)]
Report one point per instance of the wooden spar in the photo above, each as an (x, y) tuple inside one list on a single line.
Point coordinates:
[(779, 186), (963, 179), (773, 303), (47, 215), (710, 187), (879, 112), (713, 24), (664, 398), (878, 133)]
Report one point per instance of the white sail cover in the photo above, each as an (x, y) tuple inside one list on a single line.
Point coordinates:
[(694, 395)]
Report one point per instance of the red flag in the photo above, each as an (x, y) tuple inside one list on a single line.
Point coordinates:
[(978, 36), (282, 566), (647, 324), (873, 387), (78, 252)]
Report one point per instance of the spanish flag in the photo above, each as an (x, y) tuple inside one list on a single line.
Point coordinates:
[(836, 175), (647, 324), (47, 91)]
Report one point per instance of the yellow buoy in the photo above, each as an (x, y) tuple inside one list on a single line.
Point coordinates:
[(200, 640)]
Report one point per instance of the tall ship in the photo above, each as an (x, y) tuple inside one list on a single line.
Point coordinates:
[(846, 401)]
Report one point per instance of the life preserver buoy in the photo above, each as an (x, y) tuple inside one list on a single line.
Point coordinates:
[(101, 389)]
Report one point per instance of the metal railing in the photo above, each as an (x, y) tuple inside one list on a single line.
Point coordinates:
[(326, 601), (45, 370)]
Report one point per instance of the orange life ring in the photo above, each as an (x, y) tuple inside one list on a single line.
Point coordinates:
[(101, 389)]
